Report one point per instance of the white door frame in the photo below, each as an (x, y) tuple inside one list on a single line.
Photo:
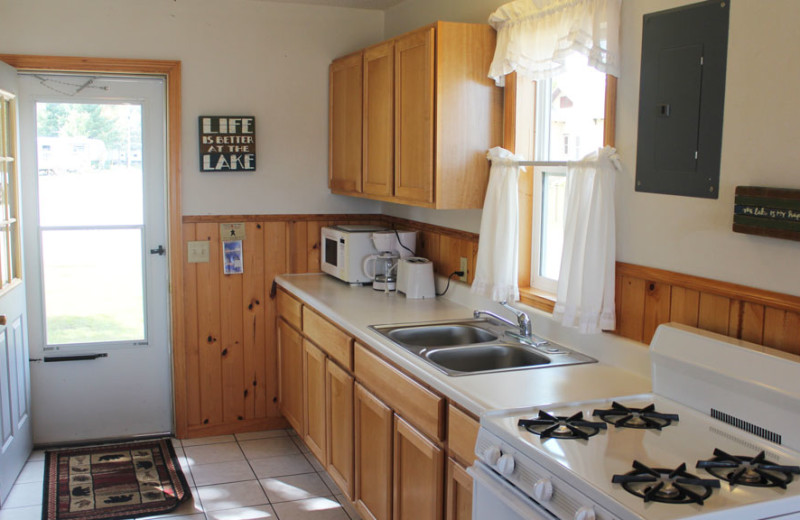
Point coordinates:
[(171, 71)]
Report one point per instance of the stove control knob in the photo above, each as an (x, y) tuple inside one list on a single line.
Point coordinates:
[(491, 455), (585, 513), (505, 465), (543, 490)]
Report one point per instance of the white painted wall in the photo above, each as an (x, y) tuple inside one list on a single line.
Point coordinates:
[(239, 57), (762, 110)]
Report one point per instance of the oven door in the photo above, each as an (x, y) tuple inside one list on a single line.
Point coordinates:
[(495, 498)]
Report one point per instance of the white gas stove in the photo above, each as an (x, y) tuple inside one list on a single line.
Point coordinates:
[(717, 439)]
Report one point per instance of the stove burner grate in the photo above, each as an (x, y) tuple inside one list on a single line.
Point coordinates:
[(748, 471), (642, 418), (670, 486), (573, 427)]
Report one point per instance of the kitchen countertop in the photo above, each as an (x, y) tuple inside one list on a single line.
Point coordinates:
[(354, 308)]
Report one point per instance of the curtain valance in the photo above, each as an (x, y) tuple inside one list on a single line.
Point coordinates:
[(535, 37)]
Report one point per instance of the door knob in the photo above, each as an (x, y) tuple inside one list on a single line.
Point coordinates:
[(3, 319), (159, 251)]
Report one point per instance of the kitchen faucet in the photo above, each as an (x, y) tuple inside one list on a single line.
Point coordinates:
[(523, 322)]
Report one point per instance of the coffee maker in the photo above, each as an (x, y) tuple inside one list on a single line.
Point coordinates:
[(392, 245)]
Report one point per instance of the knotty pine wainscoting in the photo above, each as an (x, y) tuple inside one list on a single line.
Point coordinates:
[(226, 370)]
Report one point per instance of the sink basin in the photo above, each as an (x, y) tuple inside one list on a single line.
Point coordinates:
[(475, 346), (485, 358), (444, 335)]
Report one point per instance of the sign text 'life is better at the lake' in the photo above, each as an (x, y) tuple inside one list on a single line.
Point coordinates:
[(227, 143)]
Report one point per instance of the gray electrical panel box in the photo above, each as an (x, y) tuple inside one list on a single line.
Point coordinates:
[(681, 100)]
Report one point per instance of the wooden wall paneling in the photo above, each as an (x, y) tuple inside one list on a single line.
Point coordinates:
[(451, 250), (275, 263), (684, 306), (782, 330), (735, 319), (656, 308), (253, 325), (232, 341), (631, 317), (208, 318), (714, 313), (752, 322), (191, 344), (428, 246), (313, 239), (297, 246)]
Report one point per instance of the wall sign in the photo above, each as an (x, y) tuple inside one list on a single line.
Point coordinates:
[(227, 143), (770, 212)]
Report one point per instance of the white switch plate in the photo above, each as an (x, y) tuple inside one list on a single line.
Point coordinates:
[(198, 251), (463, 268)]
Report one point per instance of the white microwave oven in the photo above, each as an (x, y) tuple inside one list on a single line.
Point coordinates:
[(344, 249)]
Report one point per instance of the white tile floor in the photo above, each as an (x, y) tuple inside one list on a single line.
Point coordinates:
[(249, 476)]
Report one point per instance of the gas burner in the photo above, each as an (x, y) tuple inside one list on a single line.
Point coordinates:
[(573, 427), (748, 471), (670, 486), (643, 418)]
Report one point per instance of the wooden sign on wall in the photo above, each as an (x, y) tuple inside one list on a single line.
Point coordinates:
[(227, 143), (770, 212)]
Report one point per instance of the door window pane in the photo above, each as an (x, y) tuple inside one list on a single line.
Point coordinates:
[(93, 285), (90, 164)]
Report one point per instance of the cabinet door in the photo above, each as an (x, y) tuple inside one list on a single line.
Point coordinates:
[(373, 456), (414, 116), (290, 375), (339, 395), (459, 492), (314, 377), (418, 475), (378, 148), (345, 119)]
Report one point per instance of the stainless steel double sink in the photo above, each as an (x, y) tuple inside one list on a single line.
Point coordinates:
[(476, 346)]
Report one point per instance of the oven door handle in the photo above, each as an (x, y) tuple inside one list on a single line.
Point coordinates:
[(512, 497)]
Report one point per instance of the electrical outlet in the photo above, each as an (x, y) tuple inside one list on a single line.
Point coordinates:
[(463, 268)]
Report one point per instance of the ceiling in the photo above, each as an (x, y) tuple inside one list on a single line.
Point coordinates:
[(361, 4)]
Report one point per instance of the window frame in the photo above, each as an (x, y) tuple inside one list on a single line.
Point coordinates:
[(519, 137), (10, 218)]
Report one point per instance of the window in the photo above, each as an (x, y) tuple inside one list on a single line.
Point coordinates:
[(559, 119), (9, 223)]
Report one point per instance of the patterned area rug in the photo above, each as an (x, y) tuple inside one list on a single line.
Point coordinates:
[(112, 481)]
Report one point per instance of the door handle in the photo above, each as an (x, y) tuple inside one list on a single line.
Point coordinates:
[(160, 251), (3, 319)]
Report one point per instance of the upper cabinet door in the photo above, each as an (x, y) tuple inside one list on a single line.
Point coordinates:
[(414, 116), (379, 119), (344, 148)]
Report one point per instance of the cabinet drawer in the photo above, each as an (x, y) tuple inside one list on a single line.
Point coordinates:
[(462, 432), (411, 400), (290, 309), (337, 344)]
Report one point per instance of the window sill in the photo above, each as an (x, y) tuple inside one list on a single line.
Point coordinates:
[(537, 299)]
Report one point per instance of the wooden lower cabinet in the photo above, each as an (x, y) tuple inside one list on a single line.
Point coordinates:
[(459, 492), (339, 409), (314, 377), (290, 375), (373, 425), (418, 474)]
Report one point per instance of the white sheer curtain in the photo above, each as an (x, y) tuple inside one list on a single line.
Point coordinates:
[(585, 297), (496, 274), (534, 37)]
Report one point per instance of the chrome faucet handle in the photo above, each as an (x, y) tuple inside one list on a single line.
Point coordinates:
[(522, 319)]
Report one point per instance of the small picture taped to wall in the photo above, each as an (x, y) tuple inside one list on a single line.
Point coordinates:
[(227, 143), (232, 257)]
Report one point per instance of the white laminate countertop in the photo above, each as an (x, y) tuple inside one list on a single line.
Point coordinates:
[(354, 308)]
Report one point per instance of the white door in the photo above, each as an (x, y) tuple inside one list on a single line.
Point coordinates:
[(15, 394), (94, 190)]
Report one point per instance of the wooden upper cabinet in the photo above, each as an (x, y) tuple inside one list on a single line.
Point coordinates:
[(345, 120), (430, 114), (413, 108), (378, 145)]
